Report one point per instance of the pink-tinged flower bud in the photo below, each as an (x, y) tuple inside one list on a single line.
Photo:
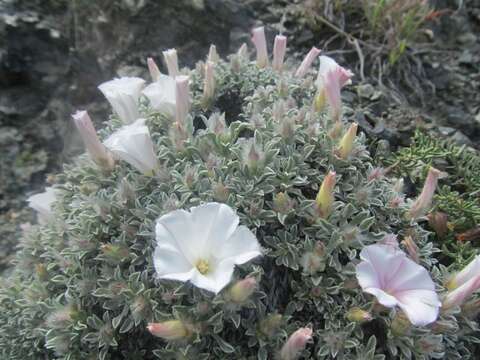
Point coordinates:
[(153, 69), (258, 39), (307, 62), (424, 201), (400, 324), (279, 50), (296, 343), (242, 51), (169, 330), (325, 195), (182, 101), (209, 82), (358, 315), (466, 274), (346, 144), (213, 54), (242, 290), (458, 296), (171, 60), (438, 221), (412, 248), (97, 151), (376, 173), (270, 325)]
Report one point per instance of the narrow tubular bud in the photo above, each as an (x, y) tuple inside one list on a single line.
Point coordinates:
[(458, 296), (153, 69), (243, 51), (296, 343), (209, 82), (97, 151), (307, 62), (424, 200), (242, 290), (325, 195), (182, 101), (466, 274), (213, 54), (346, 144), (279, 50), (258, 39), (169, 330), (171, 60), (358, 315), (412, 248)]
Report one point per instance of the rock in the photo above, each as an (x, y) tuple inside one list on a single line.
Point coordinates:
[(461, 139), (446, 131)]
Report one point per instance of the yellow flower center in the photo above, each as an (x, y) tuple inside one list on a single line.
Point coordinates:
[(203, 266)]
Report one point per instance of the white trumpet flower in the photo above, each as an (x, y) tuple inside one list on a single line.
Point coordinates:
[(202, 246), (123, 94)]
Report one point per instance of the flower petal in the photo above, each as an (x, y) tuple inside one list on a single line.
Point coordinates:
[(162, 94), (411, 277), (384, 259), (241, 246), (171, 264), (217, 279), (420, 306)]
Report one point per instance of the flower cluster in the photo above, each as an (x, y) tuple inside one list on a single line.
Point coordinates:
[(232, 212)]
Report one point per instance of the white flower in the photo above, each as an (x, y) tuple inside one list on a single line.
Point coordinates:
[(260, 42), (395, 280), (161, 94), (133, 144), (171, 59), (202, 246), (153, 69), (279, 50), (42, 203), (123, 94)]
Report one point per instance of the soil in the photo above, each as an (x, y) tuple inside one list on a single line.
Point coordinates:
[(54, 53)]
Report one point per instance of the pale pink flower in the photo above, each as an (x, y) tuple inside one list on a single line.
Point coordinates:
[(182, 99), (279, 50), (42, 204), (171, 60), (209, 82), (169, 330), (98, 152), (296, 343), (242, 290), (123, 95), (395, 280), (258, 39), (307, 62), (424, 200), (330, 80), (153, 69), (458, 296)]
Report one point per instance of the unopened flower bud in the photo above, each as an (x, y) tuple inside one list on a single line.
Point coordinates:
[(412, 248), (242, 290), (115, 253), (296, 343), (311, 262), (171, 60), (213, 54), (220, 192), (209, 82), (424, 200), (325, 196), (458, 296), (153, 69), (242, 52), (279, 50), (97, 151), (307, 62), (346, 144), (41, 272), (270, 324), (182, 100), (400, 324), (282, 203), (444, 327), (376, 174), (258, 39), (169, 330), (358, 315)]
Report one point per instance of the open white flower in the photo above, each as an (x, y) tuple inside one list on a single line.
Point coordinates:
[(42, 203), (202, 245), (161, 94), (395, 280), (123, 94), (133, 144)]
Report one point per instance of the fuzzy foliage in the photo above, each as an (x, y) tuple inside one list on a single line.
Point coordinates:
[(457, 197), (84, 285)]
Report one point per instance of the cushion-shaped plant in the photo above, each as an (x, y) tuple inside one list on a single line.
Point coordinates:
[(237, 217)]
